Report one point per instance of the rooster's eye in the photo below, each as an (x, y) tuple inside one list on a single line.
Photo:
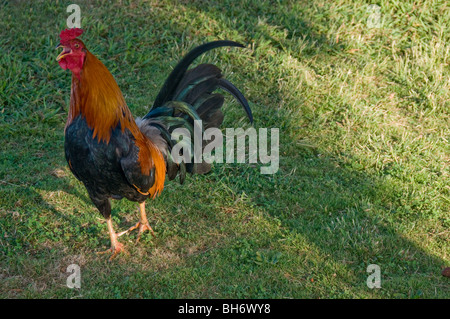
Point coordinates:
[(77, 45)]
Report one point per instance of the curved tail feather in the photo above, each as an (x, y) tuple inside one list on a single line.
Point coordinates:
[(171, 83), (188, 95)]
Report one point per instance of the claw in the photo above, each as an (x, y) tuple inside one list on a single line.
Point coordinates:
[(128, 230), (142, 224), (142, 228), (115, 249)]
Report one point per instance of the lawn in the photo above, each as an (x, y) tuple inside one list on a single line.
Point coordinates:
[(362, 111)]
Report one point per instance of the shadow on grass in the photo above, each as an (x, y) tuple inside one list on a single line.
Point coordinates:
[(331, 209), (350, 217)]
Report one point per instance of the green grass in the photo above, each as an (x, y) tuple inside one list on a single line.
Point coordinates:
[(364, 153)]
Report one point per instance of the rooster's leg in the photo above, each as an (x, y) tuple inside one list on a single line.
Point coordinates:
[(142, 224), (116, 246)]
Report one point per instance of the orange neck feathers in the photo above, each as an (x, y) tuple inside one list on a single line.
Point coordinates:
[(97, 97)]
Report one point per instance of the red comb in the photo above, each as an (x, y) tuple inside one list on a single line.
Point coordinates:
[(70, 34)]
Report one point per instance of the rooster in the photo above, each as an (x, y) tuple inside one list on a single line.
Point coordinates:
[(116, 156)]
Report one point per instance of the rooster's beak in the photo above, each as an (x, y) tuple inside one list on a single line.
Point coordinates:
[(64, 52)]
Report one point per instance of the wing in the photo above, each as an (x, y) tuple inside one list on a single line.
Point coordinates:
[(133, 172), (144, 166)]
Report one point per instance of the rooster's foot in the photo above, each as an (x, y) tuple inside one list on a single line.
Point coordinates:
[(142, 228), (115, 249)]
